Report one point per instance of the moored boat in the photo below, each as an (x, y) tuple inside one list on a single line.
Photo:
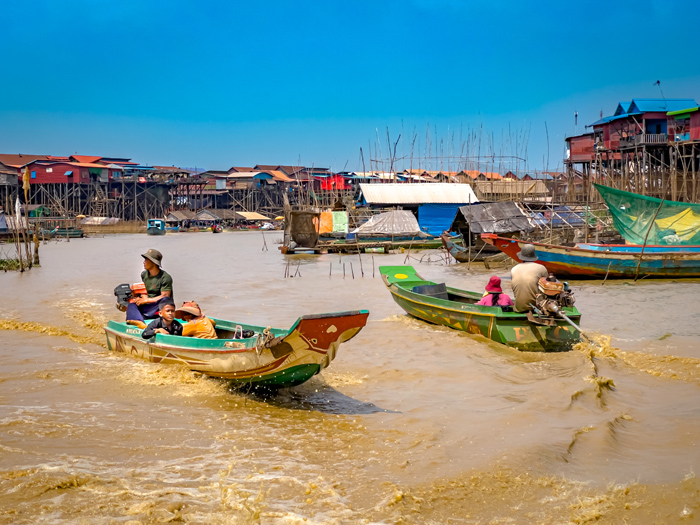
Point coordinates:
[(68, 232), (599, 261), (455, 308), (155, 227), (268, 357)]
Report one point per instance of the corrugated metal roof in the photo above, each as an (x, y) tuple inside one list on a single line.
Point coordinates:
[(180, 215), (407, 193), (242, 174), (660, 104), (18, 160), (217, 214), (252, 216), (280, 176), (683, 111), (494, 217), (512, 187), (86, 159), (622, 107)]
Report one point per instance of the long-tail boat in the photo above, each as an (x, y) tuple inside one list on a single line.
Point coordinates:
[(455, 308), (247, 354), (599, 261)]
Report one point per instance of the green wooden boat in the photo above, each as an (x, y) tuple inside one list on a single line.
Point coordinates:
[(457, 309), (270, 358)]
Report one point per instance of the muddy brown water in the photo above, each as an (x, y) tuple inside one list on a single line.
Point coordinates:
[(412, 423)]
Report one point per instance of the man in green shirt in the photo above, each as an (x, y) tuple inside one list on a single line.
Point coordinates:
[(158, 283)]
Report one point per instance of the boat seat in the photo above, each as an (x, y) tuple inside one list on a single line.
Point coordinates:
[(439, 291)]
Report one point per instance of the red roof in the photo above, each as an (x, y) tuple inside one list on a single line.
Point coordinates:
[(87, 159), (19, 160)]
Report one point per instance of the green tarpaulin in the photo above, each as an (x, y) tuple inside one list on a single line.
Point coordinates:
[(677, 223)]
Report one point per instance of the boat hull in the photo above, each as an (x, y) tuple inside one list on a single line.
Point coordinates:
[(155, 231), (508, 328), (71, 233), (599, 263), (273, 359)]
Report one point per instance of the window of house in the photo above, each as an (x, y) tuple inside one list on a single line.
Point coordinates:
[(33, 174)]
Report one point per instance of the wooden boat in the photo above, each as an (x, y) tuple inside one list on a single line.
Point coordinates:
[(173, 229), (155, 227), (461, 254), (440, 304), (69, 232), (614, 261), (270, 358)]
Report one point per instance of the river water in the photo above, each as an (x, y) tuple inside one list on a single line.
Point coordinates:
[(412, 423)]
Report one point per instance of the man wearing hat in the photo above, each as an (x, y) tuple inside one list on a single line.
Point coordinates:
[(525, 276), (158, 283)]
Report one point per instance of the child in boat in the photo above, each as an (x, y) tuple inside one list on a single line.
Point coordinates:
[(166, 322), (494, 295), (196, 323)]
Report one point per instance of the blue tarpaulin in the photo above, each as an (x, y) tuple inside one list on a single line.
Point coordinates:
[(436, 218)]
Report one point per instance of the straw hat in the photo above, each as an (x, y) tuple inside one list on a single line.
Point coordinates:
[(494, 284)]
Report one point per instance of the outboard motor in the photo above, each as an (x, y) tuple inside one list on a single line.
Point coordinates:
[(127, 293), (553, 296)]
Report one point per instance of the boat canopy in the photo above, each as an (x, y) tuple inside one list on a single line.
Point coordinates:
[(638, 217), (396, 222), (492, 217)]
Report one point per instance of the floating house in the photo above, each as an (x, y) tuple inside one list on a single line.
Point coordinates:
[(434, 204), (685, 124)]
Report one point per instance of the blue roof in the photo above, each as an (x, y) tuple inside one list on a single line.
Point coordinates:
[(639, 106), (614, 117), (622, 107), (660, 104)]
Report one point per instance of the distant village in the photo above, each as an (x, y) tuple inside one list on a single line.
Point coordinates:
[(649, 146)]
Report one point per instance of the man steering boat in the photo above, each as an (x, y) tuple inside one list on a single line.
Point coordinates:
[(158, 284)]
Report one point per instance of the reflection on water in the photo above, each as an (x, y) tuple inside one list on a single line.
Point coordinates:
[(412, 423)]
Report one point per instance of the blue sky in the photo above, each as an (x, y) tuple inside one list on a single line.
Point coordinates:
[(221, 83)]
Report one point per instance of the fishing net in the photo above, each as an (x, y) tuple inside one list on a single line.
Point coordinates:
[(676, 223)]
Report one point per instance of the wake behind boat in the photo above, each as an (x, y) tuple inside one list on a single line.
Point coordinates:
[(455, 308), (265, 357)]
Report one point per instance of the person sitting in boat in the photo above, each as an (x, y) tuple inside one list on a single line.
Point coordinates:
[(494, 295), (166, 322), (159, 285), (196, 323), (524, 278)]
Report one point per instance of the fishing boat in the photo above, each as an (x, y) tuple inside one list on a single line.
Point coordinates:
[(248, 355), (440, 304), (600, 261), (155, 227)]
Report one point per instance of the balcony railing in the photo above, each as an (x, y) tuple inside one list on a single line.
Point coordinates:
[(643, 139)]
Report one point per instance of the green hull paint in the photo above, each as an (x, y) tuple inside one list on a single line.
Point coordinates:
[(287, 378), (460, 313)]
